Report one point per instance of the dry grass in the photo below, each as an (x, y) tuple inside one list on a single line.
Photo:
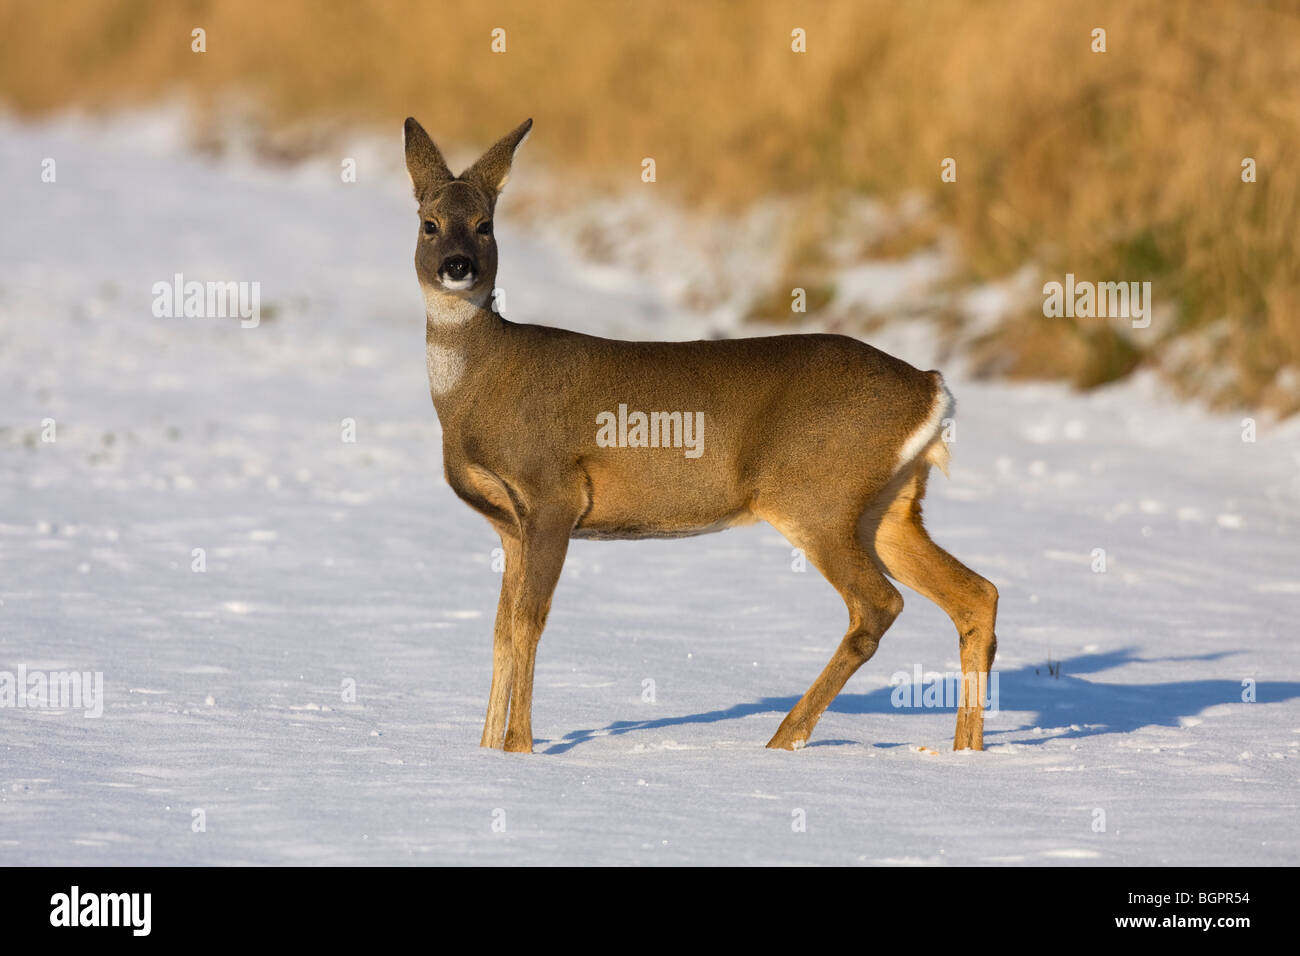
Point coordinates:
[(1122, 165)]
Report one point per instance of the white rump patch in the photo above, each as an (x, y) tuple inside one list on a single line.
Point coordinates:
[(942, 407), (446, 366)]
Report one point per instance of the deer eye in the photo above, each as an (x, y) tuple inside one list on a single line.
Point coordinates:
[(485, 227), (430, 227)]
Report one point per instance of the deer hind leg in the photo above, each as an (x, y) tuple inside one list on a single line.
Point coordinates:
[(494, 725), (909, 556), (544, 546), (873, 604)]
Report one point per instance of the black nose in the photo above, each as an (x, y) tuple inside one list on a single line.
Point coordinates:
[(457, 267)]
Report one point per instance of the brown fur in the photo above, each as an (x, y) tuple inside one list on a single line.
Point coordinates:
[(802, 431)]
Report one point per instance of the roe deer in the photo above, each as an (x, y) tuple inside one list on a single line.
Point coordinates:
[(823, 436)]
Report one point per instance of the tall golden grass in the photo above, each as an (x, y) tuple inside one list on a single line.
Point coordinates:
[(1123, 165)]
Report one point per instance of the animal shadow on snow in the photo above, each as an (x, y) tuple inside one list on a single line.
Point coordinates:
[(1074, 699)]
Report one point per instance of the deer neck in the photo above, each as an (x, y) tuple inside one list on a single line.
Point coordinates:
[(456, 330)]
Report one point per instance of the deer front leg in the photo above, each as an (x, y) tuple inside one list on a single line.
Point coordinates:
[(494, 726), (544, 546)]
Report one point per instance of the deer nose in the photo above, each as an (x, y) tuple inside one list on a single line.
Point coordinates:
[(457, 268)]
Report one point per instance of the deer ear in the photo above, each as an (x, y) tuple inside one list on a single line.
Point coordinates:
[(493, 167), (423, 161)]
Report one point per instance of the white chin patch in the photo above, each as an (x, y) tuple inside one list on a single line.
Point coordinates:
[(457, 285), (443, 308)]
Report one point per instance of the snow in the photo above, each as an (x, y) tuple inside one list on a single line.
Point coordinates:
[(330, 562)]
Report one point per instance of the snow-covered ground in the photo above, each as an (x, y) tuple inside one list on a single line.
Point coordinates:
[(329, 562)]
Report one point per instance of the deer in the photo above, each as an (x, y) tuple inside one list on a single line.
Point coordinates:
[(824, 437)]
